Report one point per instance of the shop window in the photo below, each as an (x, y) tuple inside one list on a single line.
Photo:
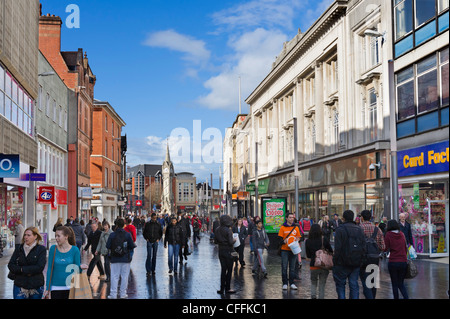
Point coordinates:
[(413, 202), (355, 199), (337, 200), (11, 211)]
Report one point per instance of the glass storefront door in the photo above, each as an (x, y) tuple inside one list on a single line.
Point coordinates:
[(438, 227)]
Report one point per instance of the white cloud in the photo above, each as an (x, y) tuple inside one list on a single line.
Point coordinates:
[(194, 50), (259, 13), (254, 53)]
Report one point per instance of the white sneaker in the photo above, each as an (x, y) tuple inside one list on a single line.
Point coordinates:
[(124, 297), (111, 297), (293, 287), (284, 287)]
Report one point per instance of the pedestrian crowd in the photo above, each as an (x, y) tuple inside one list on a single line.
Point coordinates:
[(355, 254), (358, 246)]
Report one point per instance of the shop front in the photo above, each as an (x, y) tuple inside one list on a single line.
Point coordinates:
[(84, 203), (423, 196), (105, 206), (51, 204), (333, 187), (13, 197)]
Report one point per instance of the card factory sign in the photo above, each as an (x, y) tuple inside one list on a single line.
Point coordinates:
[(427, 159)]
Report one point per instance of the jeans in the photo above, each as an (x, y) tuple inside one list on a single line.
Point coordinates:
[(397, 270), (122, 271), (258, 260), (318, 276), (226, 264), (174, 250), (340, 275), (19, 294), (288, 259), (369, 293), (150, 262), (107, 259)]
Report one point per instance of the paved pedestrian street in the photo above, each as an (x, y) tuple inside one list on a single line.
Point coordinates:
[(199, 278)]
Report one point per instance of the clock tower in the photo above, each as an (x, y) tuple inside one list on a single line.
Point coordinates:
[(167, 200)]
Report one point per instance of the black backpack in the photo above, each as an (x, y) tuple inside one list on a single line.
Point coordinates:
[(372, 250), (119, 245), (355, 249)]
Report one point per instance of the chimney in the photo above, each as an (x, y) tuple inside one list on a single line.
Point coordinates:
[(50, 35)]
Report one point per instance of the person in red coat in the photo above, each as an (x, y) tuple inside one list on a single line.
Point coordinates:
[(131, 229)]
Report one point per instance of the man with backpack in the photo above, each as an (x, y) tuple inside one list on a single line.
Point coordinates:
[(121, 247), (374, 247), (349, 253)]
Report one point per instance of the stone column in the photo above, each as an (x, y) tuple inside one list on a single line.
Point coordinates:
[(319, 118)]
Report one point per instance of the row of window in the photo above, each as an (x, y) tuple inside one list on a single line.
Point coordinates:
[(416, 21), (51, 109), (113, 181), (15, 104), (53, 163), (423, 94)]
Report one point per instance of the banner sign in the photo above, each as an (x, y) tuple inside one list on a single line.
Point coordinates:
[(9, 166), (273, 213), (427, 159)]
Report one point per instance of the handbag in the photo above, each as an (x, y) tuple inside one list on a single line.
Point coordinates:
[(411, 269), (47, 294), (80, 287), (324, 259)]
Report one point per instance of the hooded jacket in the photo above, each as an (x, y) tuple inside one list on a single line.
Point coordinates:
[(80, 236), (396, 245), (223, 236)]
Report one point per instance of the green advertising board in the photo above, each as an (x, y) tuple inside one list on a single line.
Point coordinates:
[(273, 213)]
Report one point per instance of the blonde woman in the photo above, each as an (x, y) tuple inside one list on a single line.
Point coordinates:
[(26, 266)]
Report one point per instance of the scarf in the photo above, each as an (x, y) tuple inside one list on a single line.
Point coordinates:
[(27, 248)]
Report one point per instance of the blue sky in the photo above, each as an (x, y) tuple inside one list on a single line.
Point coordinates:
[(165, 65)]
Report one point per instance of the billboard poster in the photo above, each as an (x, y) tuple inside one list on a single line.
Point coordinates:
[(273, 213)]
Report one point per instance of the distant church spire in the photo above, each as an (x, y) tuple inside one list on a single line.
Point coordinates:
[(167, 152)]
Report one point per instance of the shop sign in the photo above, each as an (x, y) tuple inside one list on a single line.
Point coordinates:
[(427, 159), (263, 187), (85, 192), (138, 203), (9, 166), (273, 213), (47, 196)]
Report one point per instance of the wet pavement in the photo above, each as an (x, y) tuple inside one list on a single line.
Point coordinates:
[(199, 278)]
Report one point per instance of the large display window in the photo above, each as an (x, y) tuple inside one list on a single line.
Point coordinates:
[(426, 207), (11, 211)]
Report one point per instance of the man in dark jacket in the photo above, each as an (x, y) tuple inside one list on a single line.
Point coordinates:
[(349, 251), (405, 228), (175, 237), (152, 233), (93, 239), (184, 222), (223, 236)]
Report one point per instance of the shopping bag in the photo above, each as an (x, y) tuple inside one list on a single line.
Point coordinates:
[(80, 287), (412, 252)]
